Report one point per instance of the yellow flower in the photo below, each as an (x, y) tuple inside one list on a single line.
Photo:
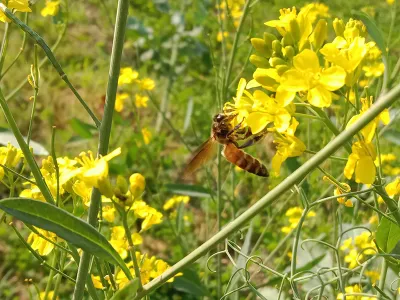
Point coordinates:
[(358, 248), (17, 5), (294, 215), (38, 243), (146, 135), (137, 184), (50, 295), (10, 157), (97, 282), (361, 162), (220, 35), (127, 76), (374, 220), (119, 241), (147, 84), (141, 101), (342, 200), (175, 200), (352, 290), (51, 8), (373, 275), (94, 169), (390, 2), (82, 190), (308, 76), (119, 101), (393, 188), (287, 145), (368, 131), (108, 213), (372, 64), (153, 218)]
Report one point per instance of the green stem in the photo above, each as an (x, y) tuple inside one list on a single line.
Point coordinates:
[(4, 45), (25, 150), (39, 40), (219, 223), (21, 49), (132, 247), (57, 169), (35, 79), (105, 131), (58, 280), (382, 277), (384, 102), (51, 275)]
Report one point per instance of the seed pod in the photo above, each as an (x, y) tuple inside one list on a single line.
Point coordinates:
[(261, 47), (319, 34), (259, 61), (338, 26)]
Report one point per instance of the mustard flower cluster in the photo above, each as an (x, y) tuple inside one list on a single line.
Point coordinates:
[(230, 10), (357, 249), (354, 289), (299, 67), (294, 214), (14, 5)]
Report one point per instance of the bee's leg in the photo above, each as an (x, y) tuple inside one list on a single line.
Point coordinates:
[(235, 128), (251, 141)]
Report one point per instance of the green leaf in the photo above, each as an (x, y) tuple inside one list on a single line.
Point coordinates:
[(65, 225), (84, 130), (387, 235), (128, 291), (187, 189), (311, 264), (373, 30), (190, 283)]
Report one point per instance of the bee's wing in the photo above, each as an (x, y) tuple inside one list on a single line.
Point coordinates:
[(202, 155)]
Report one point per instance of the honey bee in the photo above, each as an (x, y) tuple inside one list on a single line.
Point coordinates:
[(223, 132)]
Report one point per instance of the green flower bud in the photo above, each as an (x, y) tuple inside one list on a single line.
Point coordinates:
[(269, 38), (104, 187), (288, 40), (282, 69), (319, 35), (276, 61), (338, 26), (261, 47), (294, 29), (122, 184), (259, 61), (288, 52), (277, 47)]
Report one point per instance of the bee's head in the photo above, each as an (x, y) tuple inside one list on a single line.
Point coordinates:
[(219, 118)]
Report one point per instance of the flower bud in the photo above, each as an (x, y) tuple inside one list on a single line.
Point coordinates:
[(261, 47), (269, 38), (282, 69), (288, 40), (259, 61), (122, 184), (288, 52), (338, 26), (104, 187), (306, 45), (137, 185), (277, 47), (319, 35), (276, 61), (294, 29)]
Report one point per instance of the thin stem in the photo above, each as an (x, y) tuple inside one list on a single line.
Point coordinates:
[(4, 45), (53, 154), (382, 277), (35, 79), (40, 182), (21, 49), (105, 131), (219, 223), (51, 275), (58, 280), (384, 102)]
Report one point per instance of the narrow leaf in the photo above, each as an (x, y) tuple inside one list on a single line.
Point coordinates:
[(373, 30), (128, 291), (187, 189), (387, 235), (65, 225)]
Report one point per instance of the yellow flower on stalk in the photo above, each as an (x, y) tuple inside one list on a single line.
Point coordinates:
[(17, 5), (141, 101), (137, 184), (352, 290), (294, 215), (97, 282), (150, 215), (361, 163), (38, 243), (287, 145), (221, 35), (82, 190), (175, 200), (368, 131), (308, 76), (127, 76), (358, 248), (92, 169), (51, 8), (50, 295), (9, 157), (373, 275), (120, 100), (119, 241), (339, 191), (146, 135), (108, 213), (372, 64), (393, 188), (147, 84)]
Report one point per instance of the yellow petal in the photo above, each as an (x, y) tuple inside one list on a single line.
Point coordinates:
[(350, 166), (241, 88), (307, 60), (385, 116), (257, 121), (284, 97), (294, 81), (333, 78), (319, 96), (365, 170)]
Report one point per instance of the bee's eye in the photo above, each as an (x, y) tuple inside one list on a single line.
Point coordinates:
[(219, 117)]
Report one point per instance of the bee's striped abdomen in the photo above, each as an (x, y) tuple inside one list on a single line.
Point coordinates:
[(244, 161)]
